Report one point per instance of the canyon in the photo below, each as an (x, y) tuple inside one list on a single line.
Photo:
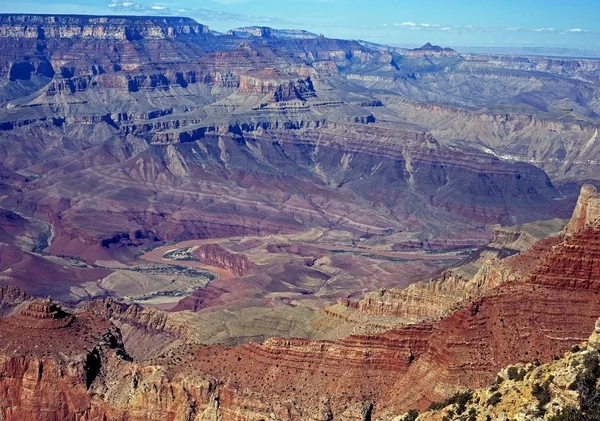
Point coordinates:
[(180, 133), (107, 370), (271, 224)]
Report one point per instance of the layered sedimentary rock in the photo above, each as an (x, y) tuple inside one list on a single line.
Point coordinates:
[(215, 255), (538, 315), (514, 136), (563, 388), (512, 255), (49, 359), (587, 210), (97, 27), (138, 130)]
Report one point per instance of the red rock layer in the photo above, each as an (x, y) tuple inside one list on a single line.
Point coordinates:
[(574, 265), (518, 324), (215, 255), (519, 321), (587, 210), (361, 377)]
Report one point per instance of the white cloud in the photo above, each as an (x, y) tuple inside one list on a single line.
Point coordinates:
[(545, 30), (409, 24), (158, 7), (576, 30)]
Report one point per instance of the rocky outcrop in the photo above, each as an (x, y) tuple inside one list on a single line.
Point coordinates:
[(587, 210), (215, 255), (96, 27), (295, 90), (11, 297), (266, 32), (561, 389), (510, 257), (431, 51), (46, 372)]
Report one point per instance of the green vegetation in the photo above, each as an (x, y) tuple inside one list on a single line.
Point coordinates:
[(568, 414), (460, 399), (542, 391), (585, 385), (516, 373), (494, 399), (472, 415), (411, 415)]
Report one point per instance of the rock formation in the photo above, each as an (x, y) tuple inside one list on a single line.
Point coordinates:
[(96, 27), (361, 377), (587, 210), (562, 389), (138, 130), (118, 134), (215, 255)]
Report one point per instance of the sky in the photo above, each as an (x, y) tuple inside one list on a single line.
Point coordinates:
[(481, 23)]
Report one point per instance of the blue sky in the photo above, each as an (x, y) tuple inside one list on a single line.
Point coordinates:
[(486, 23)]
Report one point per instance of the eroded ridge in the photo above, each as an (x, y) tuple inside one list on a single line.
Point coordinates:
[(43, 314)]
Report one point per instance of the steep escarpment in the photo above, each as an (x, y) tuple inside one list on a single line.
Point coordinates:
[(98, 27), (518, 321), (537, 315), (562, 389), (512, 255), (49, 359), (587, 210), (215, 255)]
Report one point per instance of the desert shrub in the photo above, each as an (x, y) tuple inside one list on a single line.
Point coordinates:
[(461, 399), (568, 414), (411, 415), (472, 415), (589, 395), (494, 399), (449, 415), (516, 373), (436, 406), (542, 391)]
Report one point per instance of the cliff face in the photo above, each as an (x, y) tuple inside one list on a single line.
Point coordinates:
[(564, 388), (298, 125), (587, 210), (10, 297), (96, 27), (540, 314), (215, 255), (49, 360), (511, 256)]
